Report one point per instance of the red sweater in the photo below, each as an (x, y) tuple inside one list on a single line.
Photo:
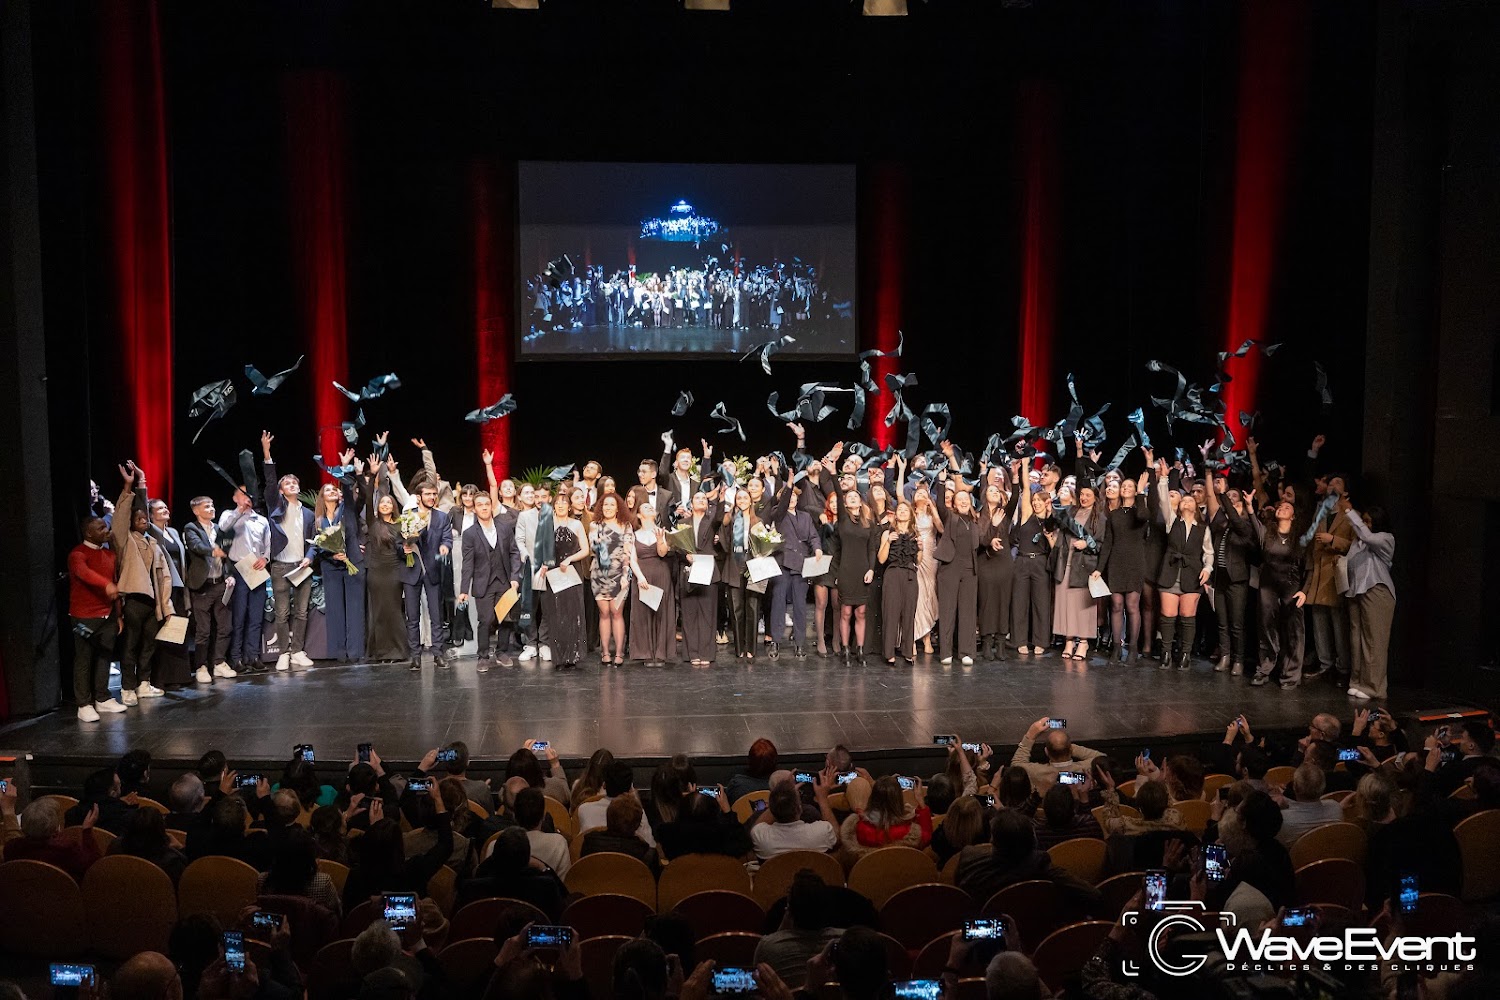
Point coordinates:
[(90, 572)]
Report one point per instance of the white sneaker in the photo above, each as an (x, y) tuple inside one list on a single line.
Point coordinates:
[(108, 707), (967, 661), (529, 653), (301, 659), (946, 660), (284, 661), (148, 690), (547, 653), (203, 676), (128, 698), (222, 669), (1358, 694), (86, 713)]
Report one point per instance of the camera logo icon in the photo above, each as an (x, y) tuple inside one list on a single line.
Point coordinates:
[(1173, 919)]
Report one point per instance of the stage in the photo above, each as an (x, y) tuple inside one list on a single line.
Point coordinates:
[(832, 337), (643, 713)]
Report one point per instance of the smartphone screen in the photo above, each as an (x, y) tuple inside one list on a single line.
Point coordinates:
[(265, 920), (1215, 859), (447, 756), (847, 776), (1349, 753), (1071, 777), (303, 751), (72, 975), (1156, 889), (972, 747), (1223, 793), (364, 752), (759, 805), (919, 989), (988, 801), (906, 783), (540, 746), (712, 793), (984, 929), (805, 778), (247, 781), (400, 910), (1146, 754), (729, 981), (548, 936), (1297, 916), (234, 951), (419, 785), (1057, 723), (942, 741), (1409, 894)]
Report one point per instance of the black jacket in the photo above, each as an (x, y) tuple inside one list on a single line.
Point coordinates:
[(489, 572)]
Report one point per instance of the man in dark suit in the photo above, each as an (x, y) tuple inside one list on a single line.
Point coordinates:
[(292, 531), (676, 478), (492, 565), (207, 571), (422, 581)]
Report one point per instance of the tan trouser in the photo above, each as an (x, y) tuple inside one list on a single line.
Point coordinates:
[(1370, 616)]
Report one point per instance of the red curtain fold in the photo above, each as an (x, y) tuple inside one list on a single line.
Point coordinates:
[(317, 172), (1040, 170), (490, 208), (139, 226), (885, 275)]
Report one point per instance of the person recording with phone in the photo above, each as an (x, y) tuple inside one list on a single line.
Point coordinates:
[(145, 587), (780, 827), (1061, 752)]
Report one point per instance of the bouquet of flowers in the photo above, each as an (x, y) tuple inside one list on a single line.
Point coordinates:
[(411, 524), (765, 540), (680, 539), (331, 540)]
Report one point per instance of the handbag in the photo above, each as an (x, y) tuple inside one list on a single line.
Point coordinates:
[(1341, 574)]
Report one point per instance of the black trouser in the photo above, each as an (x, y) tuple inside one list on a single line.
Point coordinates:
[(699, 606), (210, 623), (898, 612), (1229, 607), (1282, 632), (958, 609), (791, 584), (744, 610), (90, 662), (139, 638), (484, 611), (1030, 603)]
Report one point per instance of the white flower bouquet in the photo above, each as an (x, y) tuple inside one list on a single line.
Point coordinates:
[(331, 540), (765, 540), (410, 524)]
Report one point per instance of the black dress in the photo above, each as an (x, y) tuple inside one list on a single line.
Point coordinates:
[(997, 570), (854, 560), (385, 615), (1122, 557), (565, 610)]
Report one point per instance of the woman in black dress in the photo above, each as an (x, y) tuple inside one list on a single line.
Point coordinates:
[(856, 569), (898, 554), (1283, 574), (997, 570), (564, 610), (1185, 569), (958, 569), (1122, 562), (1156, 551), (826, 587), (744, 603), (385, 618), (652, 632), (882, 516)]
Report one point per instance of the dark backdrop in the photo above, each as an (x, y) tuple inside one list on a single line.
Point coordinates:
[(1146, 96)]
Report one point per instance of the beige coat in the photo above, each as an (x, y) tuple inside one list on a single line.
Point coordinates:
[(1322, 560), (139, 560)]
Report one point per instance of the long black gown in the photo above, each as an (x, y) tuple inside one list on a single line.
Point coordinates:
[(564, 611), (385, 615)]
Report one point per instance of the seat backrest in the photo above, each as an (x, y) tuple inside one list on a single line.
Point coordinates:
[(1115, 892), (337, 872), (468, 965), (41, 911), (1195, 814), (744, 806), (332, 972), (561, 820), (1280, 775), (130, 906), (919, 913), (606, 914), (715, 911), (1036, 906), (597, 956), (478, 919), (313, 924), (776, 875), (731, 948), (357, 919), (1081, 856), (145, 803), (1477, 837), (1065, 951), (608, 872), (575, 843), (1332, 880), (1336, 840), (696, 872), (442, 888), (1212, 783), (882, 873), (216, 885)]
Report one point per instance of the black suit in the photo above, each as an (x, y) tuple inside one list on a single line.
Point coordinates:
[(205, 579), (1234, 542), (666, 478), (700, 603), (488, 573)]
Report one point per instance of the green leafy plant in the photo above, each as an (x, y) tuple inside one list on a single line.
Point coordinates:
[(309, 498), (535, 476)]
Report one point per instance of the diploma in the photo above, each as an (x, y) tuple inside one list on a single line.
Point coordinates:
[(762, 568), (701, 572), (651, 596), (173, 630), (816, 566), (253, 577), (1097, 587), (562, 579)]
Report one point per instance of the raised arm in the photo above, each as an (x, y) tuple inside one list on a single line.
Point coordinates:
[(1382, 544), (488, 457), (119, 528)]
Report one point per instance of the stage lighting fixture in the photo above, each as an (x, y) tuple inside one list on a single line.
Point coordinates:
[(885, 8), (705, 4)]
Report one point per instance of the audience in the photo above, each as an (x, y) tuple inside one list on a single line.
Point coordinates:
[(135, 773), (226, 834), (618, 780), (378, 861), (43, 839), (804, 932), (477, 791), (1062, 754), (549, 848), (101, 791), (509, 871), (294, 872), (756, 777), (188, 802), (1260, 879), (883, 818), (780, 828), (1307, 810), (1062, 818), (147, 976), (704, 825), (621, 833), (964, 824), (146, 837), (1012, 856)]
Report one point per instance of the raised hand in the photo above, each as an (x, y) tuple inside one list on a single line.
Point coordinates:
[(797, 429), (487, 457), (266, 437), (420, 443), (346, 457)]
